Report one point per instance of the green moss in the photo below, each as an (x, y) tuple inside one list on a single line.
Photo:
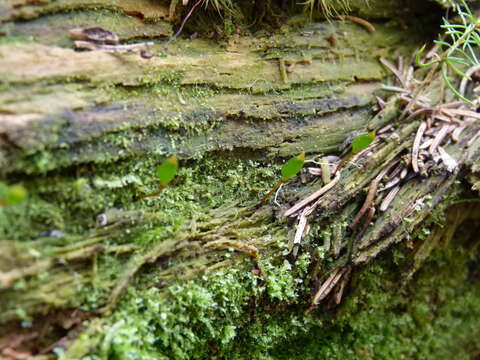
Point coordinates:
[(239, 314)]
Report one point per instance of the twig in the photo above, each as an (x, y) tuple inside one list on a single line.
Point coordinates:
[(416, 145), (343, 284), (418, 112), (389, 198), (113, 48), (370, 214), (390, 184), (466, 113), (183, 22), (445, 129), (370, 197), (328, 285), (468, 74), (474, 138), (301, 204), (394, 70), (456, 133), (302, 223), (370, 28)]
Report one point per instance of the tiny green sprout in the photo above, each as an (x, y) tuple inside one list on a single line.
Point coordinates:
[(165, 172), (12, 195), (291, 168), (362, 141)]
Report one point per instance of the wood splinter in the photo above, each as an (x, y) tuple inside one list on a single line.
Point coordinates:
[(328, 285), (370, 197), (142, 48)]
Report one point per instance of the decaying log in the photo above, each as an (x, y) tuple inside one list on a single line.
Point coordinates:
[(83, 131)]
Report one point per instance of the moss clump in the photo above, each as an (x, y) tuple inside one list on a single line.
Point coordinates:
[(242, 314), (198, 318)]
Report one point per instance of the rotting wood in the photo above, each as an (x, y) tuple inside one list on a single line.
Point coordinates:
[(247, 124)]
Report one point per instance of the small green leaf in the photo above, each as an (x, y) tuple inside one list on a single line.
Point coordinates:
[(167, 170), (293, 166), (12, 195), (362, 141)]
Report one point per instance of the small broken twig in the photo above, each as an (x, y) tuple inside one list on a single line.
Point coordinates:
[(416, 145), (370, 28), (370, 197), (301, 204), (140, 47), (328, 285)]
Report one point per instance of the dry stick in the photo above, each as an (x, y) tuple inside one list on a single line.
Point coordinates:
[(418, 112), (370, 197), (302, 223), (395, 71), (443, 118), (461, 112), (113, 48), (359, 21), (343, 284), (456, 133), (416, 145), (468, 73), (370, 214), (474, 138), (301, 204), (390, 184), (419, 89), (160, 189), (389, 198), (396, 170), (426, 144), (183, 22), (439, 138), (275, 188), (328, 285)]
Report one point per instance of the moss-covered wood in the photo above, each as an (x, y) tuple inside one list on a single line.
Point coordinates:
[(206, 270)]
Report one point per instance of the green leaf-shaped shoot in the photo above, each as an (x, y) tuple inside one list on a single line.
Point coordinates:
[(167, 170), (12, 195), (165, 173), (362, 141), (291, 168)]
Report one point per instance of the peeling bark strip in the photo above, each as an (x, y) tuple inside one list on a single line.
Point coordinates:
[(370, 197), (329, 284), (114, 48), (294, 209), (416, 145)]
